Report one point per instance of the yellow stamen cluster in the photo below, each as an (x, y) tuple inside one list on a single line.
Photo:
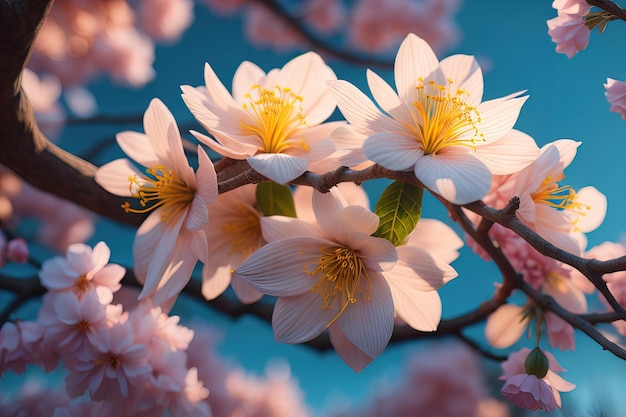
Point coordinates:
[(82, 284), (244, 231), (446, 118), (161, 188), (559, 197), (278, 113), (340, 272)]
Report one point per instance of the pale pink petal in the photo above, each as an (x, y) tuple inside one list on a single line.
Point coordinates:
[(161, 129), (505, 326), (115, 177), (455, 174), (278, 167), (299, 318), (281, 227), (597, 203), (567, 151), (216, 90), (464, 73), (198, 215), (392, 151), (420, 310), (415, 59), (377, 254), (326, 207), (564, 292), (100, 255), (79, 258), (351, 219), (247, 75), (368, 324), (349, 145), (138, 148), (557, 382), (318, 150), (387, 98), (215, 281), (234, 150), (511, 153), (436, 237), (499, 115), (278, 268), (244, 291), (206, 182), (347, 351), (417, 269)]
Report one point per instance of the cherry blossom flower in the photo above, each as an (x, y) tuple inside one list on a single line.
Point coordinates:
[(568, 29), (113, 369), (616, 96), (557, 212), (437, 125), (273, 120), (336, 276), (19, 344), (165, 19), (83, 268), (326, 16), (539, 390), (171, 240)]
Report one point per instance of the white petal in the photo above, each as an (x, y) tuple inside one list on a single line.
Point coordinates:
[(278, 268), (498, 116), (351, 355), (216, 90), (368, 324), (247, 75), (198, 215), (505, 326), (215, 280), (234, 149), (420, 310), (415, 59), (300, 318), (326, 207), (596, 201), (511, 153), (392, 151), (387, 98), (115, 177), (377, 254), (138, 148), (418, 270), (465, 74), (455, 174), (100, 255), (437, 238), (352, 219), (281, 227), (278, 167), (206, 181), (359, 110)]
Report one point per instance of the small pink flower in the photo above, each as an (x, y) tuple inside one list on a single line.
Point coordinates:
[(19, 345), (81, 269), (616, 96), (17, 250), (568, 29), (538, 390)]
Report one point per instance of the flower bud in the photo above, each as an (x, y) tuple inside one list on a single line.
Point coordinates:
[(537, 363)]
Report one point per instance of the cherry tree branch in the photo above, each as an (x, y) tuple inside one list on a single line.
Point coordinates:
[(609, 6)]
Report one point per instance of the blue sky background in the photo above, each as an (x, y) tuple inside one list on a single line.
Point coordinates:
[(566, 101)]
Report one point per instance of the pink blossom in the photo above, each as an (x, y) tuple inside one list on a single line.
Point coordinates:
[(225, 6), (35, 398), (534, 392), (19, 345), (153, 327), (568, 29), (616, 96), (264, 28), (560, 332), (17, 251), (43, 94), (165, 19), (81, 269), (326, 16), (114, 369)]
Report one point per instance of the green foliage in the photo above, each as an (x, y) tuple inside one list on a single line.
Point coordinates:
[(399, 209), (275, 199)]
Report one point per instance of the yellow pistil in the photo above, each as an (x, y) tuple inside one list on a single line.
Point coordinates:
[(340, 271), (244, 231), (278, 112), (161, 188), (110, 359), (559, 197), (446, 118)]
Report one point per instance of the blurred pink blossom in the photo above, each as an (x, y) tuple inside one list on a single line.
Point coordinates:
[(165, 20), (19, 345), (616, 96), (378, 25), (44, 93), (225, 6), (264, 28), (568, 29), (35, 398), (326, 16)]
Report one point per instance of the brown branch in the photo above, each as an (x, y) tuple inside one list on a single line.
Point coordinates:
[(609, 6)]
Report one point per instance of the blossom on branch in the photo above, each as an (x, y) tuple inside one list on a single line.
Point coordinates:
[(533, 383), (568, 29), (437, 124), (334, 275), (273, 120), (171, 240), (616, 96)]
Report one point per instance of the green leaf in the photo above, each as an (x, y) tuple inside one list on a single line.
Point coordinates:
[(275, 199), (399, 209)]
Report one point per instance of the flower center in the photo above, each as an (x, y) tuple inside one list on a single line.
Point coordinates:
[(559, 197), (160, 188), (244, 231), (82, 284), (446, 120), (278, 113), (82, 326), (110, 359), (340, 272)]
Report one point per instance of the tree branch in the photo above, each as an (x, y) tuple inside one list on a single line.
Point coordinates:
[(609, 6)]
